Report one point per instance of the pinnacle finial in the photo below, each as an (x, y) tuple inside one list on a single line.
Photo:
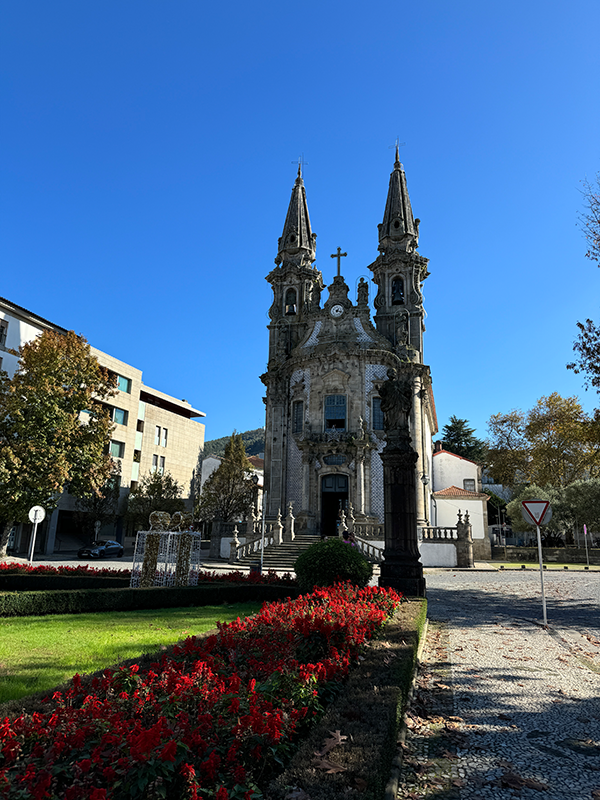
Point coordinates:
[(300, 163), (398, 145)]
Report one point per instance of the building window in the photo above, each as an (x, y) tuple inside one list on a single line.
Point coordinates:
[(165, 433), (154, 464), (120, 416), (377, 414), (157, 435), (124, 384), (335, 459), (140, 426), (290, 302), (335, 412), (298, 416), (397, 291), (161, 465), (117, 449), (0, 363), (469, 484), (3, 331)]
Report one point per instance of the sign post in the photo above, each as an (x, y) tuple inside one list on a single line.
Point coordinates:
[(587, 555), (37, 514), (539, 513)]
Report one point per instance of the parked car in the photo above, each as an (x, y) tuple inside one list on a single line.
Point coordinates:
[(102, 548)]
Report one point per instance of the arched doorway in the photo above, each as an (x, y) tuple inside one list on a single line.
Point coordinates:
[(334, 495)]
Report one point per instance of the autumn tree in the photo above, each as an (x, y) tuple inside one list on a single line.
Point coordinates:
[(229, 491), (46, 442), (154, 492), (460, 439), (552, 445), (508, 448)]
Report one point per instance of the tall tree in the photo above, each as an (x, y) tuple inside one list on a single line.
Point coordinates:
[(587, 343), (154, 492), (229, 491), (552, 445), (460, 439), (508, 448), (46, 443), (590, 219)]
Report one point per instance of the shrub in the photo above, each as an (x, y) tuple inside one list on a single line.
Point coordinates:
[(325, 563)]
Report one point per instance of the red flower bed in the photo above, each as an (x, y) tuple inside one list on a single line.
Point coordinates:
[(15, 568), (207, 721)]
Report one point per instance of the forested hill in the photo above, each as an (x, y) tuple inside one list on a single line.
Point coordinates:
[(254, 442)]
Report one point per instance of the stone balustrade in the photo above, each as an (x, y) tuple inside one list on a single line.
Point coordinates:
[(368, 530), (370, 551), (433, 535)]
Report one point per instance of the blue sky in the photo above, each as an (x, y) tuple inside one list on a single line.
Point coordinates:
[(146, 168)]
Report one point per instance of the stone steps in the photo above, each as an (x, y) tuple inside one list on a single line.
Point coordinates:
[(282, 556)]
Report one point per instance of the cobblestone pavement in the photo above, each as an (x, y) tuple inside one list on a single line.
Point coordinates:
[(503, 707)]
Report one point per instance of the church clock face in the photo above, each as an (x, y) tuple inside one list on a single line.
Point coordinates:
[(337, 310)]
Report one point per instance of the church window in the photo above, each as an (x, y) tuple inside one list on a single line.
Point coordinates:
[(298, 416), (397, 291), (335, 412), (334, 459), (377, 414), (290, 302), (469, 484)]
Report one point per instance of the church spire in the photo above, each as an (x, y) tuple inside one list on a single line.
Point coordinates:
[(297, 243), (399, 229)]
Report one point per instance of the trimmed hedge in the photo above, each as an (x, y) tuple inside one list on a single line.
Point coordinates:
[(24, 582), (80, 601)]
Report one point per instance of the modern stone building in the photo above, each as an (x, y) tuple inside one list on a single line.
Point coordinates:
[(324, 424), (153, 432)]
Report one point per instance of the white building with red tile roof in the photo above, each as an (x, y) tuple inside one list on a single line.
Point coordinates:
[(457, 487)]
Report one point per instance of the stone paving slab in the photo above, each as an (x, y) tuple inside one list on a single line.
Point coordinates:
[(505, 708)]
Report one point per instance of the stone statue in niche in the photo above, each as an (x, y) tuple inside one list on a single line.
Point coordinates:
[(396, 403)]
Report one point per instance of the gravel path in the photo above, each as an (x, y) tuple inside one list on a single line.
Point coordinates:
[(505, 708)]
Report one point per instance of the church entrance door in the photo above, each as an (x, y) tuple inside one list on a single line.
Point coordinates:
[(334, 495)]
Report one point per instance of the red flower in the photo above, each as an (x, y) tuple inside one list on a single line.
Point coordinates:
[(168, 752), (222, 794)]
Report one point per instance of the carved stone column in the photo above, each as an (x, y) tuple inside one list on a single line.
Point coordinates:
[(464, 544), (401, 568), (421, 513)]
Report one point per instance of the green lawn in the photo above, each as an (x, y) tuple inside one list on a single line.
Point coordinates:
[(38, 653)]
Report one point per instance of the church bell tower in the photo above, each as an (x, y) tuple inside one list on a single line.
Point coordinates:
[(297, 285), (399, 272)]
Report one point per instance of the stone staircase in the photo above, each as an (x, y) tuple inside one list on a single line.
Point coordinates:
[(281, 557)]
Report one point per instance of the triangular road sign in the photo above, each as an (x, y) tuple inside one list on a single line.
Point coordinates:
[(534, 510)]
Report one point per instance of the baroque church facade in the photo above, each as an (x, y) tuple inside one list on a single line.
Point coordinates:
[(324, 423)]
